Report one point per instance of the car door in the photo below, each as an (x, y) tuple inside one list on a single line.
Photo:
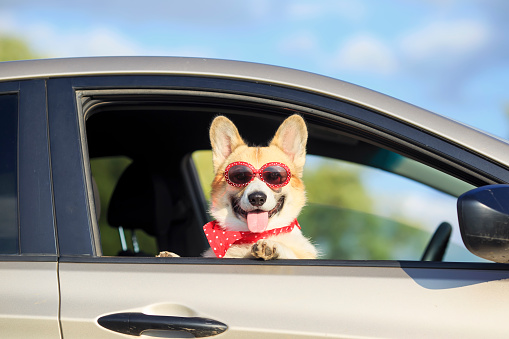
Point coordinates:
[(28, 263), (103, 296)]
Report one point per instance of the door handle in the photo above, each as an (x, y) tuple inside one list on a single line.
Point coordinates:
[(136, 323)]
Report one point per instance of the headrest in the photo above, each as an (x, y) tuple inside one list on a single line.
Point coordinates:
[(141, 200)]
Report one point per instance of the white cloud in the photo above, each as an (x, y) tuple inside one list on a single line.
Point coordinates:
[(259, 9), (457, 40), (302, 42), (199, 13), (7, 23), (447, 55), (365, 53), (304, 10), (49, 41), (100, 41), (308, 10)]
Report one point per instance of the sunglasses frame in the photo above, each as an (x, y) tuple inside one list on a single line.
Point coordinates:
[(257, 173)]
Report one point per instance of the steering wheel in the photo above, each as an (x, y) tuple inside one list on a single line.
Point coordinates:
[(436, 247)]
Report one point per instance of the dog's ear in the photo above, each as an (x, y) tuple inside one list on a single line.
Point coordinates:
[(292, 137), (224, 138)]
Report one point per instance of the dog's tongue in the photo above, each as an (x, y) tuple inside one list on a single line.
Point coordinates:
[(257, 221)]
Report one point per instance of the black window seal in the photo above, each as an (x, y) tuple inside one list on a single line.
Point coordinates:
[(405, 264)]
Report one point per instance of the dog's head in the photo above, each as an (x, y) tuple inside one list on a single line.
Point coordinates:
[(257, 188)]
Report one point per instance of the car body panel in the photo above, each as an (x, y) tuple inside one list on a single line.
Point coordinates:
[(29, 297), (297, 300)]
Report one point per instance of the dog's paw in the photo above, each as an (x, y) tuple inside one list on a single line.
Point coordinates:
[(265, 249), (166, 254)]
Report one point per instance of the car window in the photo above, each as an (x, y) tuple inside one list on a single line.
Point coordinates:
[(8, 174), (357, 212), (365, 202)]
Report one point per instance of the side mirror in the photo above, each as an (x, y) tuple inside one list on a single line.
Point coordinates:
[(483, 215)]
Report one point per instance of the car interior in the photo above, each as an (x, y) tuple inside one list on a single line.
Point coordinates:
[(156, 196)]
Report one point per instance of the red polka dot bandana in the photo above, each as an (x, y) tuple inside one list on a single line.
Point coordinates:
[(220, 240)]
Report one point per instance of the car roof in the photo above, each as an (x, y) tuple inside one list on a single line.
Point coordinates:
[(480, 142)]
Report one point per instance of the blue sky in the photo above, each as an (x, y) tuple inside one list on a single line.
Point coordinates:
[(448, 56)]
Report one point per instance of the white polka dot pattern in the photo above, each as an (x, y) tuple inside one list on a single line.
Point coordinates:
[(221, 240)]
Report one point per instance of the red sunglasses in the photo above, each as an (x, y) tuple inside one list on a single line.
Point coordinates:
[(274, 174)]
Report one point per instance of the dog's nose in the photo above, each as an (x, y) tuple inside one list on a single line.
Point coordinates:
[(257, 198)]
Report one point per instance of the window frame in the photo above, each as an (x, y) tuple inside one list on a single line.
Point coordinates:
[(390, 133)]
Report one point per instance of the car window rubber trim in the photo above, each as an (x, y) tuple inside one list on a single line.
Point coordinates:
[(285, 262)]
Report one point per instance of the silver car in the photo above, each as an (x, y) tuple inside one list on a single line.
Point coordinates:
[(104, 162)]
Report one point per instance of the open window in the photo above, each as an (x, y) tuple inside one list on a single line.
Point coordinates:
[(368, 196)]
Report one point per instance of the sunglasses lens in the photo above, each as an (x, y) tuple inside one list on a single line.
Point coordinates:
[(240, 174), (274, 175)]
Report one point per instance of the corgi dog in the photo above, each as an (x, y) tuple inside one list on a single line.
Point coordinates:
[(257, 194)]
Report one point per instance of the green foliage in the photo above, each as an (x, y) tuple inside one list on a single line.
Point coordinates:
[(339, 218), (203, 163), (12, 48), (335, 184), (352, 235)]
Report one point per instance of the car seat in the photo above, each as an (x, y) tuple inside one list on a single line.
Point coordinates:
[(146, 198)]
